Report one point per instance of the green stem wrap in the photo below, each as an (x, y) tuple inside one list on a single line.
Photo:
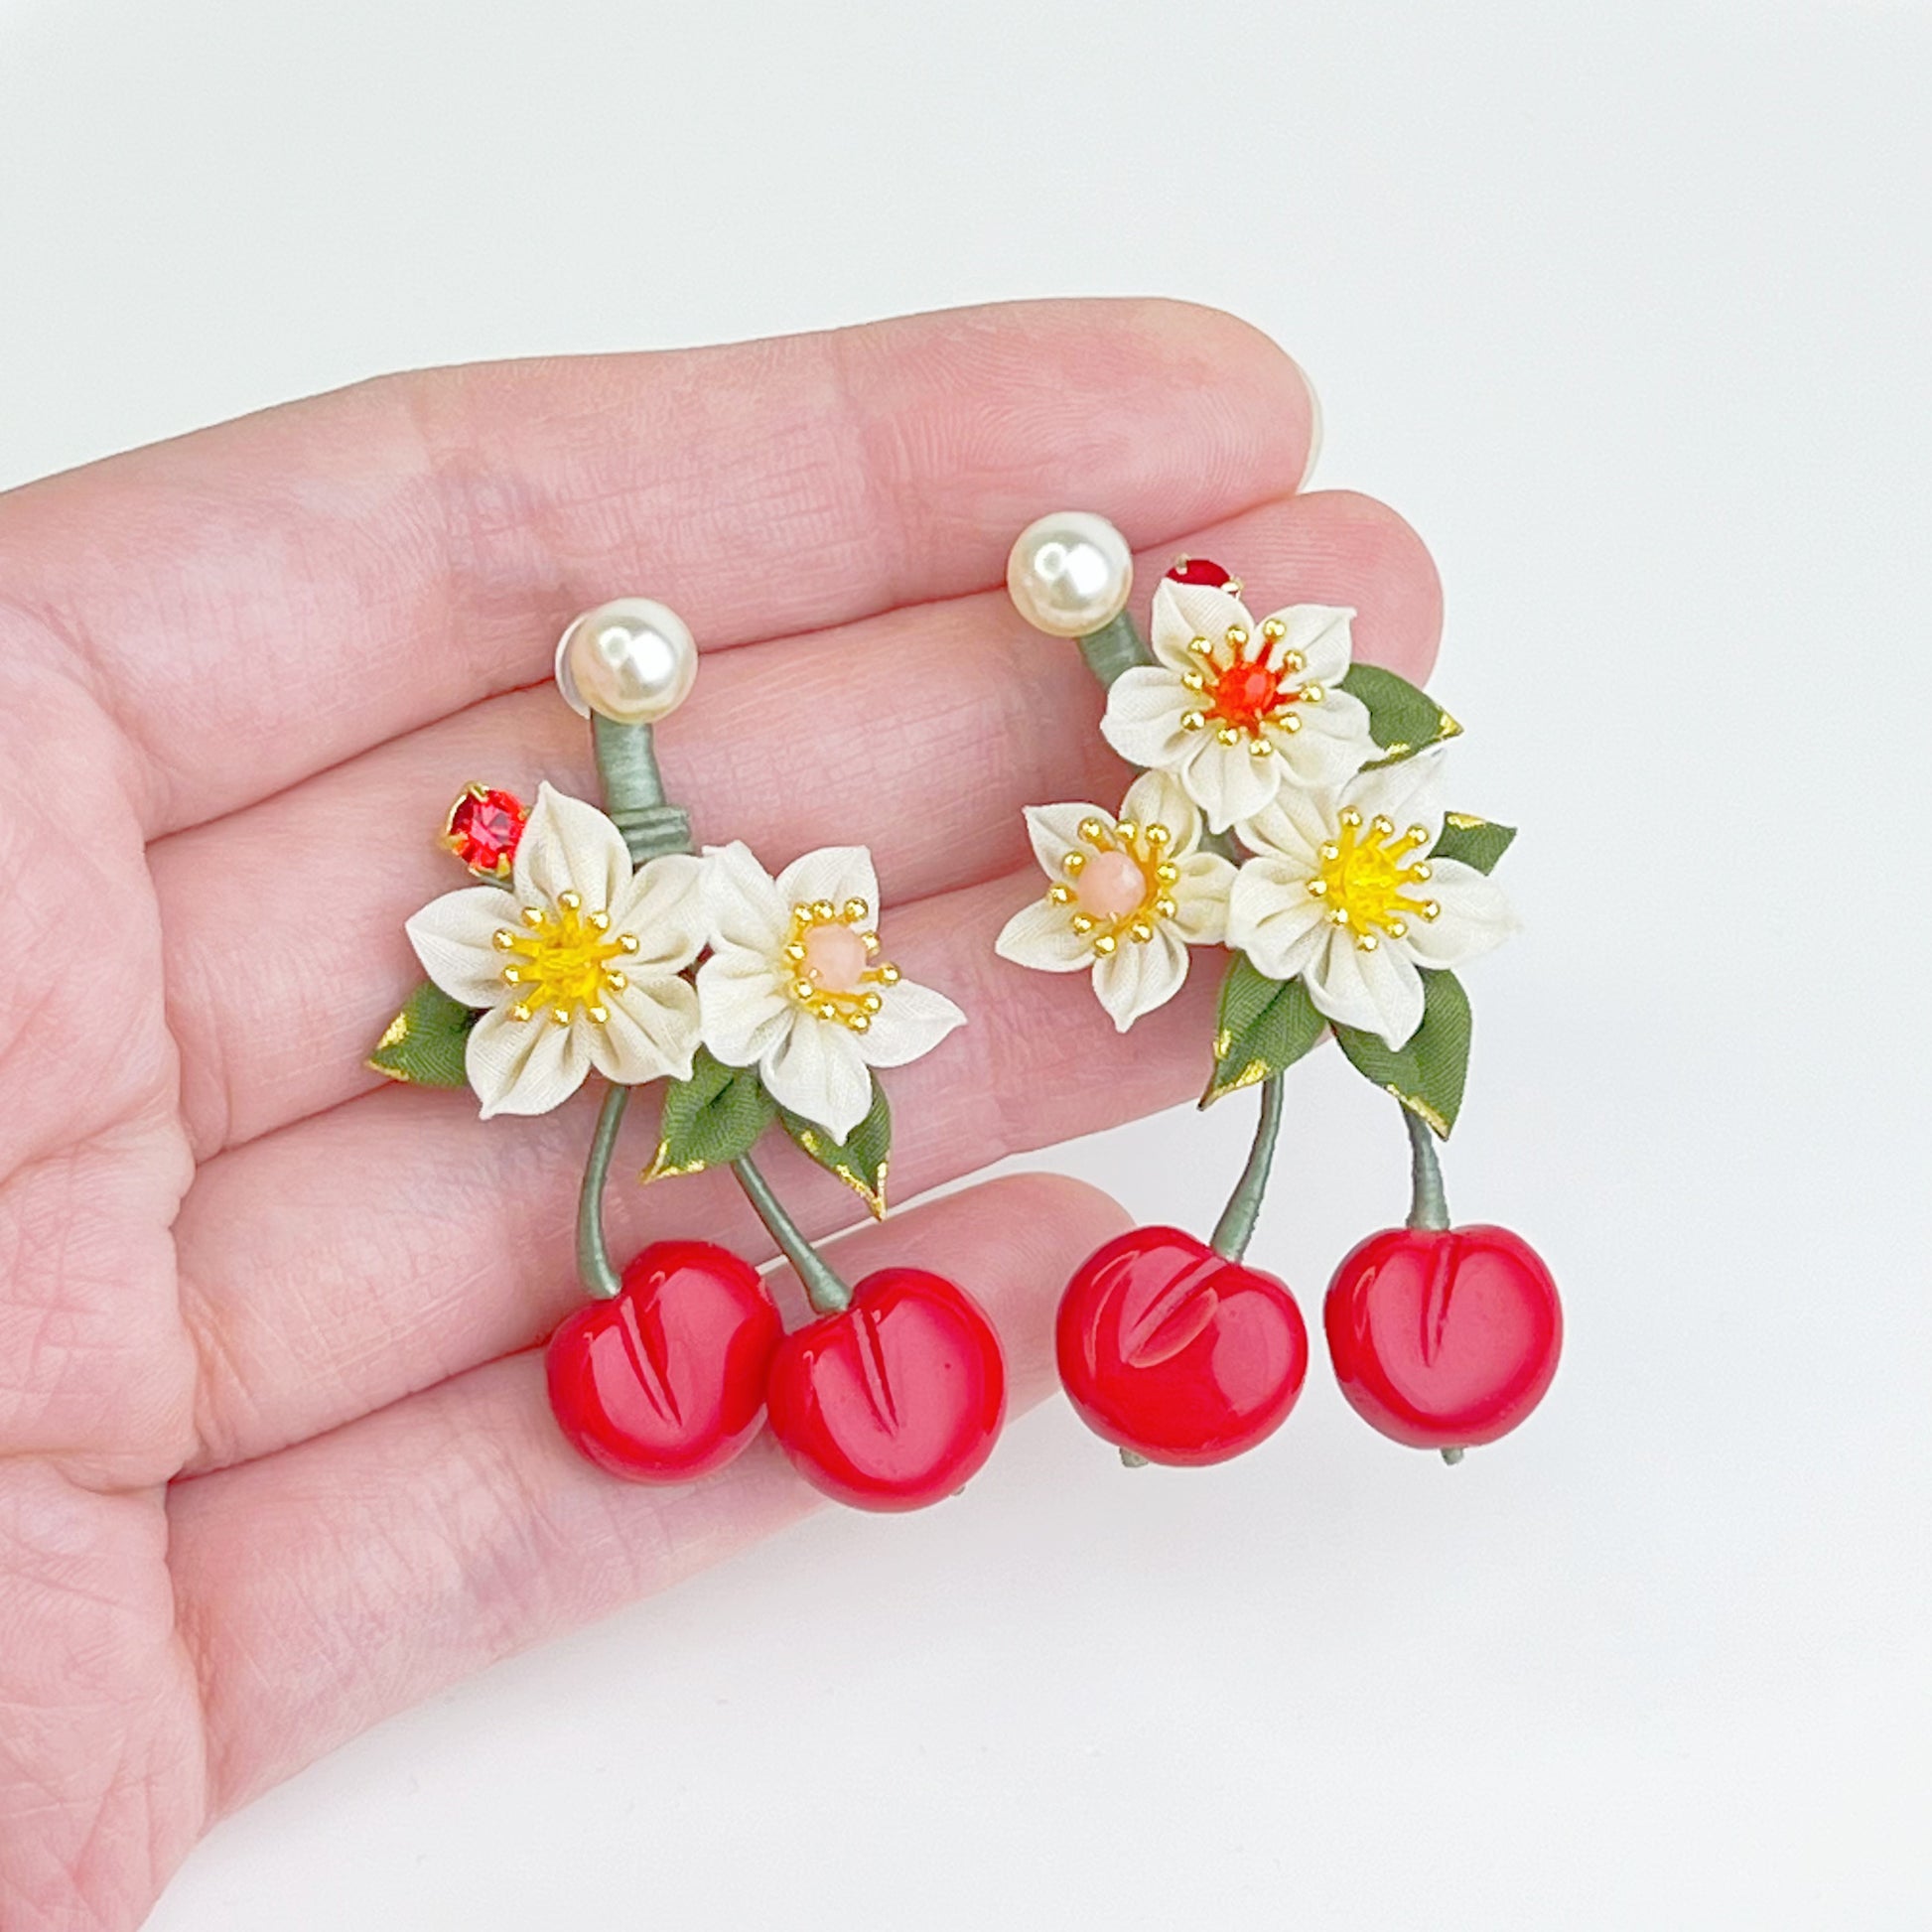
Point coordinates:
[(1428, 1204), (1236, 1226), (824, 1290)]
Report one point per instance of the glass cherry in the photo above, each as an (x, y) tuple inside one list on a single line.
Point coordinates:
[(894, 1401), (667, 1381), (1443, 1337), (1176, 1352)]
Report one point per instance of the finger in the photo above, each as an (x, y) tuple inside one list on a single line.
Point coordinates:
[(327, 1587), (337, 1267), (278, 985), (258, 601)]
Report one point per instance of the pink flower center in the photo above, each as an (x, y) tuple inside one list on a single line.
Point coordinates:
[(835, 958), (1112, 885)]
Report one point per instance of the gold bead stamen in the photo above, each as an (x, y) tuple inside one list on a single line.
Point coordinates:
[(852, 1007)]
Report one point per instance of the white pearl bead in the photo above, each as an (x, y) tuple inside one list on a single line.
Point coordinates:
[(1070, 574), (632, 660)]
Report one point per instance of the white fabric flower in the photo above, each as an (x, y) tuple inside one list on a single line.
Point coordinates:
[(1129, 896), (577, 964), (1237, 709), (794, 985), (1344, 892)]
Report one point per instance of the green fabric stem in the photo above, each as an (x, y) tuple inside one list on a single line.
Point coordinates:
[(1113, 649), (592, 1257), (824, 1290), (1237, 1223), (1428, 1204), (633, 791)]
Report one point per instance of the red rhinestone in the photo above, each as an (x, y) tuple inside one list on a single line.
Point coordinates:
[(484, 828), (1200, 570)]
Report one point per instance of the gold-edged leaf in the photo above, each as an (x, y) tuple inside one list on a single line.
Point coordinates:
[(1402, 717), (1261, 1026), (862, 1157), (710, 1119), (423, 1045), (1427, 1074), (1477, 842)]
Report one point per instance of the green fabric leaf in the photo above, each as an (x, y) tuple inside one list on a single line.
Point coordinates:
[(1427, 1076), (710, 1119), (862, 1157), (1477, 842), (1260, 1027), (1401, 717), (423, 1044)]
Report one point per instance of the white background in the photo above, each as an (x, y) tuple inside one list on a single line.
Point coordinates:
[(1628, 309)]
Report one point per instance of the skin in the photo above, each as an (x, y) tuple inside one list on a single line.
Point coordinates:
[(274, 1455)]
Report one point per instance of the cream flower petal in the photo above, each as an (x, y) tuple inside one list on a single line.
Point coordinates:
[(1137, 977), (912, 1020), (652, 1030), (524, 1066), (1184, 611), (1273, 918), (742, 904), (1319, 632), (1408, 791), (569, 846), (1332, 744), (836, 873), (1475, 917), (664, 909), (744, 1007), (1292, 827), (1039, 936), (1160, 799), (1228, 781), (1056, 831), (454, 938), (1201, 899), (816, 1070), (1379, 991), (1145, 706)]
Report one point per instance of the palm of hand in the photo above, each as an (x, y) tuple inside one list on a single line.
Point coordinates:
[(274, 1459)]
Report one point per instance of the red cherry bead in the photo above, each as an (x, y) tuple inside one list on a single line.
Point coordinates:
[(894, 1402), (1176, 1352), (484, 829), (667, 1381), (1443, 1337), (1201, 570)]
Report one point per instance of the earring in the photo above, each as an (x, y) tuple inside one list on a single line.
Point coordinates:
[(1291, 807), (598, 942)]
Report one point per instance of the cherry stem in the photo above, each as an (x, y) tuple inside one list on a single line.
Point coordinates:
[(1428, 1204), (1236, 1227), (824, 1289), (592, 1257), (1115, 647)]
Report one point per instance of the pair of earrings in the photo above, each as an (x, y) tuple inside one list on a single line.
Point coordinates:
[(598, 941)]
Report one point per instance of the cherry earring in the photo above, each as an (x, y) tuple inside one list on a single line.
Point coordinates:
[(1289, 807), (598, 942)]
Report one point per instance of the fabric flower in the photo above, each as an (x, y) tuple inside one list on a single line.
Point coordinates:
[(1129, 896), (1343, 892), (1238, 709), (577, 963), (794, 985)]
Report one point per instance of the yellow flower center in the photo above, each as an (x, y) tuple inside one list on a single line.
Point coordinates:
[(1243, 695), (1120, 886), (1366, 878), (831, 956), (561, 960)]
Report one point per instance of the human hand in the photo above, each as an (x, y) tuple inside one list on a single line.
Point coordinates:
[(274, 1455)]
